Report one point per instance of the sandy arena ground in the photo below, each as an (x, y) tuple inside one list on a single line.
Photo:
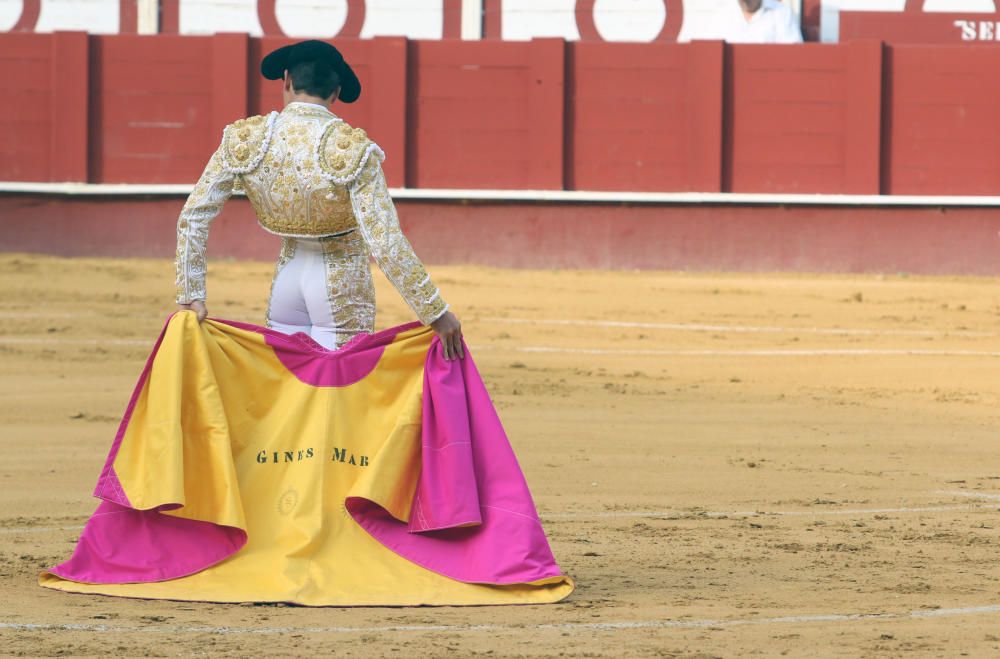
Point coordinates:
[(728, 465)]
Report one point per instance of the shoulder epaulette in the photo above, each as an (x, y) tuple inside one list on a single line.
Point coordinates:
[(343, 152), (245, 142)]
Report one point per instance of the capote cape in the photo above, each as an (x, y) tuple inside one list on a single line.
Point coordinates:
[(251, 465)]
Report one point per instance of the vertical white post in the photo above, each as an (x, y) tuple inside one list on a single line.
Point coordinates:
[(148, 16), (472, 20)]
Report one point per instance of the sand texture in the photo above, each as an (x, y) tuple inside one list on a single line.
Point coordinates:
[(728, 465)]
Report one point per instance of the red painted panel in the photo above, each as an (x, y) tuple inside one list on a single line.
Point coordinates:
[(20, 157), (941, 130), (132, 73), (69, 138), (633, 116), (788, 127), (25, 114), (385, 93), (29, 75), (474, 113), (24, 46), (863, 149), (229, 88)]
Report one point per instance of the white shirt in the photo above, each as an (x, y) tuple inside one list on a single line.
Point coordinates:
[(774, 22)]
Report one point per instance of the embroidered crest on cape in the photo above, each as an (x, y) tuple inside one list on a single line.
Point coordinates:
[(245, 141), (343, 151)]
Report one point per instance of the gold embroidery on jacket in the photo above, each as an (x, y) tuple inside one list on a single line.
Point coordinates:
[(288, 191), (308, 174), (379, 224), (211, 191)]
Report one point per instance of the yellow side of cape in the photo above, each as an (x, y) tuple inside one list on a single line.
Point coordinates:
[(302, 543)]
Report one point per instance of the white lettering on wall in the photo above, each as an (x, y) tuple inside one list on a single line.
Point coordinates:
[(968, 29), (978, 30)]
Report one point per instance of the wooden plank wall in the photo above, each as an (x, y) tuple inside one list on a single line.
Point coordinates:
[(26, 110), (151, 108), (805, 120), (852, 118), (941, 130), (645, 117), (486, 114)]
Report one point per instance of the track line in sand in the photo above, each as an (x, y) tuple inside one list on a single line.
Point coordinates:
[(32, 315), (659, 514), (833, 352), (38, 529), (972, 495), (688, 514), (739, 329), (989, 609), (847, 352), (612, 324), (30, 340)]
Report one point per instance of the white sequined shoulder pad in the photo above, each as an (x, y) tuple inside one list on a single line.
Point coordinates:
[(245, 142), (343, 151)]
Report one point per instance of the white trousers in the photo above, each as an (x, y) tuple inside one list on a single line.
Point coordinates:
[(323, 288)]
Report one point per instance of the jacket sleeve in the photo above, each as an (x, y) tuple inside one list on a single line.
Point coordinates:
[(379, 225), (203, 205)]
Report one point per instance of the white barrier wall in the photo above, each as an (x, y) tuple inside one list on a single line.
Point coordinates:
[(615, 20)]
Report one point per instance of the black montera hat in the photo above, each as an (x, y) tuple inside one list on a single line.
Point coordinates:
[(274, 65)]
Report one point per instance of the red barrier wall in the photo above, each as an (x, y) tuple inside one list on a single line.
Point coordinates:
[(917, 240), (859, 117)]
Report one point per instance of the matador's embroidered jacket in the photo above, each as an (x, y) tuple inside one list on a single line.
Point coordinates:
[(308, 174)]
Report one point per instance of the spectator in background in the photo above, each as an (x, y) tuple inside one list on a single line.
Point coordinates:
[(745, 21)]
